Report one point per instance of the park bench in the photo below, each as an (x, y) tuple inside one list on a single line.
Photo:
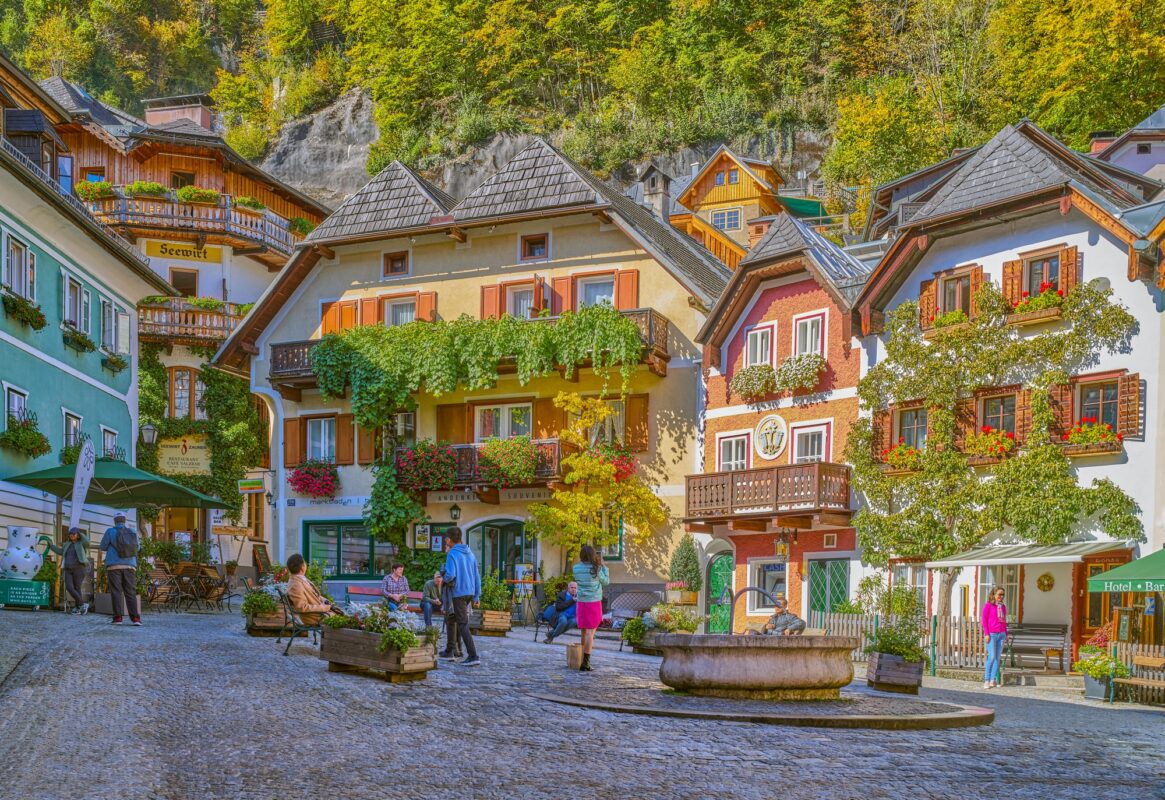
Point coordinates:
[(414, 604), (629, 605), (1152, 663), (295, 622), (1045, 639)]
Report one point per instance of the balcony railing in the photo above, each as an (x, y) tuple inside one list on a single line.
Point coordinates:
[(792, 488), (291, 361), (177, 319), (222, 218), (466, 455)]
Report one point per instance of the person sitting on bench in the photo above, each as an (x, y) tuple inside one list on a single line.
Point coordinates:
[(784, 622), (560, 614), (396, 587), (305, 598)]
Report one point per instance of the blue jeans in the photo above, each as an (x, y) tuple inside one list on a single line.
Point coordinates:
[(994, 656), (427, 612), (564, 623)]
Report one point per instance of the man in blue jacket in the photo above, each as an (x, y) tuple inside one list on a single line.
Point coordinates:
[(560, 614), (120, 545), (464, 582)]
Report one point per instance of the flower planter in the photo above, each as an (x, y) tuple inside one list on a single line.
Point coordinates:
[(649, 646), (23, 311), (1092, 449), (682, 597), (266, 624), (890, 471), (888, 673), (114, 365), (490, 623), (78, 340), (983, 461), (346, 649), (251, 212), (932, 333), (1095, 689), (1035, 317)]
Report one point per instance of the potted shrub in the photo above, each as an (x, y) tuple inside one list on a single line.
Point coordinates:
[(685, 569), (315, 478), (373, 637), (231, 567), (263, 612), (507, 462), (494, 617), (91, 191), (1098, 669), (23, 310), (23, 436), (896, 657), (427, 465), (198, 196), (249, 205), (146, 189), (754, 383), (800, 373)]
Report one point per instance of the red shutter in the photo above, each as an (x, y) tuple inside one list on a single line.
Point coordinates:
[(883, 438), (427, 306), (539, 295), (370, 311), (976, 285), (491, 302), (927, 303), (636, 427), (966, 420), (1023, 416), (349, 309), (330, 318), (562, 295), (1069, 269), (345, 443), (627, 289), (1013, 282), (365, 444), (292, 442), (1060, 398), (1128, 409)]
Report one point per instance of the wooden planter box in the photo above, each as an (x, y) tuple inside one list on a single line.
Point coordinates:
[(982, 461), (490, 623), (346, 650), (1094, 449), (266, 624), (1035, 317), (888, 673), (682, 597), (890, 471), (932, 333)]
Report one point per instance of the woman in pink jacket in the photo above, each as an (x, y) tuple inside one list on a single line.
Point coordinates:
[(994, 619)]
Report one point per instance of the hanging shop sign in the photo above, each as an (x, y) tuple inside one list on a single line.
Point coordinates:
[(251, 486), (770, 437), (186, 251), (187, 455)]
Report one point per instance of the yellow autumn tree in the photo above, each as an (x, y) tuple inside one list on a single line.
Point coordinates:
[(598, 491)]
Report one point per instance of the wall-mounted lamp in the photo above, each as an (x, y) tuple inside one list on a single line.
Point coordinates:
[(270, 499), (149, 434), (455, 512)]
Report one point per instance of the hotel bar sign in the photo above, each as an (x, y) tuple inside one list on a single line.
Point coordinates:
[(186, 251)]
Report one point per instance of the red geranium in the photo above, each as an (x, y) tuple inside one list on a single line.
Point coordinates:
[(315, 478)]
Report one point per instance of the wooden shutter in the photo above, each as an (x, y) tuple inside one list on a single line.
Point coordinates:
[(427, 306), (976, 285), (539, 295), (451, 423), (292, 442), (491, 302), (1060, 398), (636, 428), (549, 420), (562, 298), (1128, 409), (927, 303), (966, 420), (366, 444), (349, 309), (883, 429), (1013, 281), (345, 443), (627, 289), (370, 311), (1023, 415), (1069, 269), (330, 318)]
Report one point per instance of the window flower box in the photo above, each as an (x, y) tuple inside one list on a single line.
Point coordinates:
[(314, 478), (92, 191), (300, 226), (146, 189), (1037, 317), (426, 466), (77, 340), (1043, 306), (754, 383), (1092, 449), (23, 310), (507, 462), (249, 205), (1091, 437), (990, 444), (197, 196), (114, 362), (901, 458), (23, 436)]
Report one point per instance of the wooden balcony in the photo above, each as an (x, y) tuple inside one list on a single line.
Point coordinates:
[(179, 322), (790, 496), (547, 471), (291, 370), (263, 235)]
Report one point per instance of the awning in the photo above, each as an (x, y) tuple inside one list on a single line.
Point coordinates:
[(1146, 574), (998, 555), (803, 206)]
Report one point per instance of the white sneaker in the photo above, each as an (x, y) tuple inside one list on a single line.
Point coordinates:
[(987, 684), (84, 609)]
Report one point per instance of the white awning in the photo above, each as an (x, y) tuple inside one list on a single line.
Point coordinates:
[(996, 555)]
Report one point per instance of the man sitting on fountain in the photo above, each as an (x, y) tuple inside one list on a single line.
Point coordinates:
[(784, 622)]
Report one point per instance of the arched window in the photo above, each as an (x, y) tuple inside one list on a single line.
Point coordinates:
[(186, 393)]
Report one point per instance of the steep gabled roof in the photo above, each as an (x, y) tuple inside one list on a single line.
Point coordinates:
[(396, 199), (788, 234), (746, 164), (537, 179), (1153, 122), (76, 100)]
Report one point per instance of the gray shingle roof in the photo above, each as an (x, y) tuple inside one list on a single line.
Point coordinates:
[(788, 235), (184, 127), (75, 99), (537, 179), (1153, 122), (677, 187), (396, 199)]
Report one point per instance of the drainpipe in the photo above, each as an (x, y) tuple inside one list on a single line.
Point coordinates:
[(276, 448)]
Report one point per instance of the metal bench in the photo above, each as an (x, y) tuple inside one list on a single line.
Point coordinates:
[(296, 623), (629, 605), (1046, 639), (1153, 663)]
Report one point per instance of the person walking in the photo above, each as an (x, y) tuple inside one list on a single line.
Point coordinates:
[(431, 597), (465, 586), (452, 636), (120, 546), (994, 620), (75, 552), (591, 575)]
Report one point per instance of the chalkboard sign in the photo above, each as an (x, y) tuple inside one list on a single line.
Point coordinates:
[(1123, 624), (262, 560)]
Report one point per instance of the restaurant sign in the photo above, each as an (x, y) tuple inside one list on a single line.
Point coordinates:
[(186, 251), (187, 455)]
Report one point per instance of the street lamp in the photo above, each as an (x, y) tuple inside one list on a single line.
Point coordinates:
[(149, 434), (455, 512)]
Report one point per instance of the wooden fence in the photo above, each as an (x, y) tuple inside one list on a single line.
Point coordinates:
[(1142, 694), (959, 640)]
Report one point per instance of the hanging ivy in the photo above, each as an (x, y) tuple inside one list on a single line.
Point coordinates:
[(391, 509)]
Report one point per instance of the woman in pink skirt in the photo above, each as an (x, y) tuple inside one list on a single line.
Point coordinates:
[(591, 576)]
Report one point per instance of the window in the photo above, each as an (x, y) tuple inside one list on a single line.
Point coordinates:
[(402, 433), (65, 173), (520, 301), (199, 394), (720, 178), (77, 305), (347, 550), (185, 281), (614, 551), (769, 575), (734, 176), (956, 294), (1041, 270), (1099, 400), (912, 427), (611, 429), (72, 429), (15, 404), (396, 264), (399, 312), (20, 269), (726, 220), (94, 174), (321, 439), (595, 291), (810, 444), (910, 576), (502, 422), (999, 413), (1098, 605), (810, 335), (535, 246), (180, 388), (114, 328), (108, 442), (828, 584), (179, 179), (1144, 148), (759, 346), (1006, 576), (733, 453)]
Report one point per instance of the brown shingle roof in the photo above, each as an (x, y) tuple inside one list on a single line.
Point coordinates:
[(537, 179), (396, 199)]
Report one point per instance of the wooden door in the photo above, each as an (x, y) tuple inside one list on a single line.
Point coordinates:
[(1094, 609)]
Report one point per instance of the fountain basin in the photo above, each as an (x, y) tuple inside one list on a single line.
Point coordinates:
[(758, 667)]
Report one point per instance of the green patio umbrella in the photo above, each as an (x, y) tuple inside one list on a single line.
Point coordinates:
[(1146, 574), (116, 483)]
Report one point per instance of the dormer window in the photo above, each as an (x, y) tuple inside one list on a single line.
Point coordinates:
[(535, 247)]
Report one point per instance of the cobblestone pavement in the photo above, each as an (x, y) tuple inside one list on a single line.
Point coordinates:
[(188, 707)]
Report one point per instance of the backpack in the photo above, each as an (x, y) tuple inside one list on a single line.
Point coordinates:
[(125, 541)]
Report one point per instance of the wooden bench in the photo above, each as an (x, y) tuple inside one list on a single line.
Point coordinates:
[(1155, 663), (1045, 639)]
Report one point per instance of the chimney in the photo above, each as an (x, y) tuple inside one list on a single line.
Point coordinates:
[(198, 108), (1098, 140), (757, 229), (695, 168), (656, 191)]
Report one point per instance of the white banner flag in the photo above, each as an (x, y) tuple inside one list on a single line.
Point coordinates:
[(86, 461)]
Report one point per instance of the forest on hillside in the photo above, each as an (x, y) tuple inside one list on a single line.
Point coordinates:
[(894, 84)]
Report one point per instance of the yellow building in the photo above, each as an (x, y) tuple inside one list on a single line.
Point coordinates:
[(542, 233)]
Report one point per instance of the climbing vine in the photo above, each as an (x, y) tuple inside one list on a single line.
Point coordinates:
[(391, 508)]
